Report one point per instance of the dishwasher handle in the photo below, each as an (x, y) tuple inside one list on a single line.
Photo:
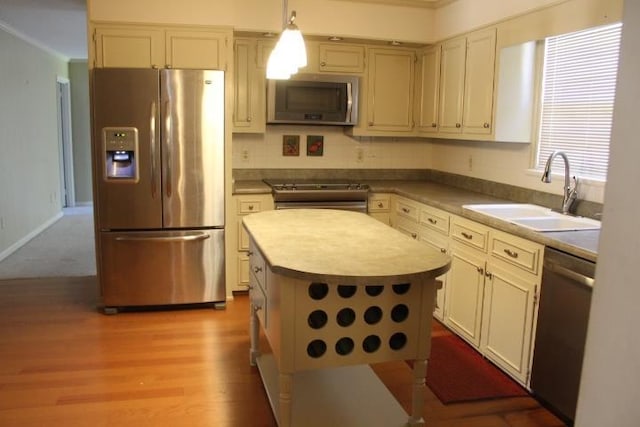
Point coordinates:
[(568, 273)]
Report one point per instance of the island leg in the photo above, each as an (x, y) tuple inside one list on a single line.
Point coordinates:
[(285, 407), (417, 395), (254, 325)]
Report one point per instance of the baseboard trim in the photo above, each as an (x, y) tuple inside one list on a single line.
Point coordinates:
[(20, 243)]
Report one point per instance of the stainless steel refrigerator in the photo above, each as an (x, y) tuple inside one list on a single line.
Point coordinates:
[(158, 168)]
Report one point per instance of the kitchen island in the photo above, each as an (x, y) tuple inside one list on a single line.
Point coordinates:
[(335, 291)]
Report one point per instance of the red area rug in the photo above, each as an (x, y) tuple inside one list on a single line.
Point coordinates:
[(457, 373)]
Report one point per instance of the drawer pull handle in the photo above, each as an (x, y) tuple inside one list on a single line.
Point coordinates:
[(489, 275), (406, 210), (432, 221), (511, 253), (467, 236), (443, 250), (256, 308), (257, 269), (380, 205), (458, 125), (480, 270), (250, 207), (414, 235)]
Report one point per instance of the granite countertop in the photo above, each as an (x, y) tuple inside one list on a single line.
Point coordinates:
[(583, 244), (340, 246)]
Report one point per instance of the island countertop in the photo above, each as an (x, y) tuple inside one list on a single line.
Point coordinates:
[(356, 249)]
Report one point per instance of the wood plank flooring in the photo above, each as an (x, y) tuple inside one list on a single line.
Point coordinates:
[(62, 363)]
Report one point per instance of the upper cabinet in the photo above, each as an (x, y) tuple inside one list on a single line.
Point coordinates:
[(388, 94), (250, 57), (427, 90), (341, 58), (466, 84), (151, 46)]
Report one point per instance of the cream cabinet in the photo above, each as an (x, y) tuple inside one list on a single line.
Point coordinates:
[(466, 85), (492, 294), (386, 97), (427, 90), (155, 46), (465, 288), (249, 114), (341, 58), (379, 207), (238, 274), (429, 226)]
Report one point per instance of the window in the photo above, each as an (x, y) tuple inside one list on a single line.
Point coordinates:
[(578, 92)]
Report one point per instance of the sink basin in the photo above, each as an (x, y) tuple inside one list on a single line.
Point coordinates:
[(557, 223), (534, 217), (511, 210)]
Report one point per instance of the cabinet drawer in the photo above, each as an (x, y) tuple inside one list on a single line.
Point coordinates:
[(408, 228), (518, 252), (406, 209), (257, 267), (470, 234), (435, 219), (259, 301), (249, 206), (379, 203)]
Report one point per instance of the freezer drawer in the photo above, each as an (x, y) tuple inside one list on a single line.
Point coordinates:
[(162, 267)]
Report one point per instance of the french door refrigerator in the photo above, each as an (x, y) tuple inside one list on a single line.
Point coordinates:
[(158, 168)]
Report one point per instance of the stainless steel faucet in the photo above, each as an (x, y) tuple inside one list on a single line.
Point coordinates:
[(568, 194)]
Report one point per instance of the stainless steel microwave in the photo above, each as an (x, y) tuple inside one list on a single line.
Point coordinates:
[(316, 99)]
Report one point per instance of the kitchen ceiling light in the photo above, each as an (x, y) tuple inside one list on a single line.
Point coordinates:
[(290, 53)]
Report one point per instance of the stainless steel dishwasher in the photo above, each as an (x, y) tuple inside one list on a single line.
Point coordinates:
[(565, 301)]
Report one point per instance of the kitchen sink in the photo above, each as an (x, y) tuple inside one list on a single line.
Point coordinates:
[(534, 217)]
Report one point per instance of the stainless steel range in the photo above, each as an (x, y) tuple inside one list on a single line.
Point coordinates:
[(319, 195)]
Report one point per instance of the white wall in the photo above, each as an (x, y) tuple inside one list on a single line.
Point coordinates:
[(29, 165), (314, 17), (340, 151), (609, 392), (81, 133)]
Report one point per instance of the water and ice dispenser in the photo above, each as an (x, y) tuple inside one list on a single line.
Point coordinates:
[(120, 154)]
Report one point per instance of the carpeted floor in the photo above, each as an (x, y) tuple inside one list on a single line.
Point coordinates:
[(64, 249)]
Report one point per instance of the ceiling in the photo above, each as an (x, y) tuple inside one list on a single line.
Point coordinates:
[(60, 26)]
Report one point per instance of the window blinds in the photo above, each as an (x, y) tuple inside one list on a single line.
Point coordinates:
[(579, 83)]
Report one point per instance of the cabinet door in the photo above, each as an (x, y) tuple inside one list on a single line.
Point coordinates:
[(119, 47), (452, 85), (507, 320), (390, 90), (428, 96), (196, 49), (439, 243), (478, 87), (341, 58), (248, 110), (464, 293)]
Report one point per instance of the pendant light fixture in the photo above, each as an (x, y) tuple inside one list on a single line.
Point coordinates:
[(290, 53)]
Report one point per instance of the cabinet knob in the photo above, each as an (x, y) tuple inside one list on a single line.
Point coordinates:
[(414, 235), (168, 66), (248, 119), (380, 204), (443, 250), (486, 125), (154, 66), (257, 269), (323, 63), (480, 270), (458, 125), (489, 275), (370, 123), (433, 125), (406, 210), (250, 253)]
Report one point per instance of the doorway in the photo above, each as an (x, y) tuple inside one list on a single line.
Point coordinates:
[(65, 145)]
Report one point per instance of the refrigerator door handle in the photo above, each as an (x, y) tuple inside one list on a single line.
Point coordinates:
[(152, 146), (190, 238), (167, 147)]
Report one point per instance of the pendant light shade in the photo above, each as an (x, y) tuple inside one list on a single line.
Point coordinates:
[(289, 54)]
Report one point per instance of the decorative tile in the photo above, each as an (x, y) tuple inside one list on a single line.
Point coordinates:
[(315, 145), (290, 145)]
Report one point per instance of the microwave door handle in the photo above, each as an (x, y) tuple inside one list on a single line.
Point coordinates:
[(349, 102)]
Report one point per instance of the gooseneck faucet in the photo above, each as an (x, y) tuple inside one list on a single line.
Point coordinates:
[(568, 194)]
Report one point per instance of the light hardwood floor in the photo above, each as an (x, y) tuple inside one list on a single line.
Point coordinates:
[(62, 363)]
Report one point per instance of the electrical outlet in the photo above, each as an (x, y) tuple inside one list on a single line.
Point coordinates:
[(245, 154)]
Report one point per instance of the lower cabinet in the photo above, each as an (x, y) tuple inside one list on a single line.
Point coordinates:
[(490, 294), (238, 263)]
